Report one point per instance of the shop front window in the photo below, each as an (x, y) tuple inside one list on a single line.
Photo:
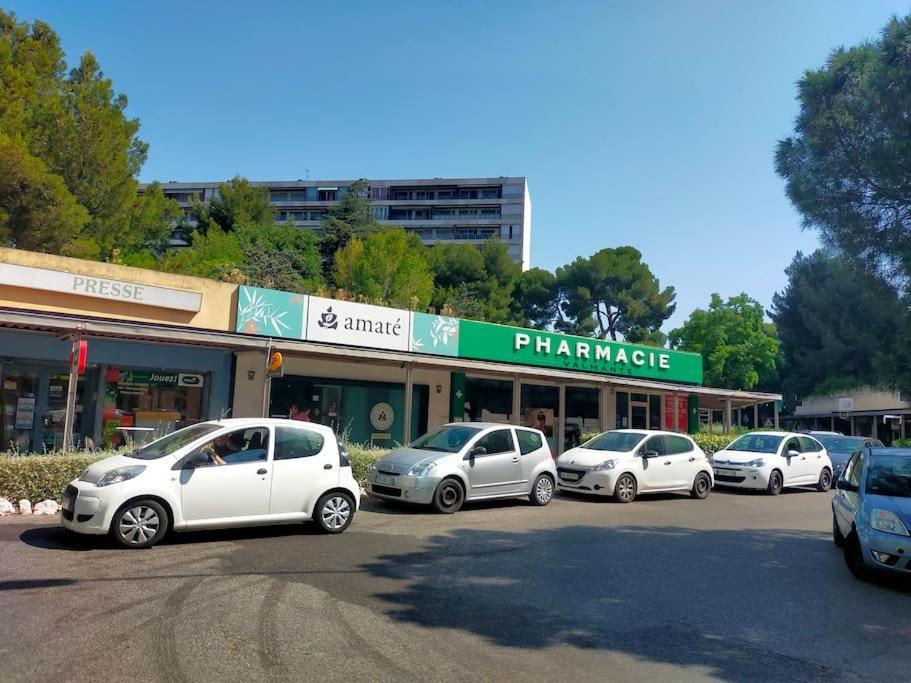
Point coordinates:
[(55, 415), (18, 398), (582, 415), (863, 425), (488, 400), (140, 405), (540, 408)]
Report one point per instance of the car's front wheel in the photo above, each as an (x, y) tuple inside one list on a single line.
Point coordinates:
[(825, 480), (334, 512), (701, 486), (139, 524), (543, 490), (448, 497), (625, 490), (776, 483), (854, 557)]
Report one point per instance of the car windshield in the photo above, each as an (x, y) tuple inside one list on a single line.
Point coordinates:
[(449, 439), (842, 444), (756, 443), (619, 442), (889, 475), (173, 442)]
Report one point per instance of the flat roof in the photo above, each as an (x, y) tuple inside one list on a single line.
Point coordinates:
[(416, 182)]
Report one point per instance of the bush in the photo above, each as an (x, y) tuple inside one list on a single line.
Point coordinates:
[(362, 457), (42, 477), (712, 443), (901, 443)]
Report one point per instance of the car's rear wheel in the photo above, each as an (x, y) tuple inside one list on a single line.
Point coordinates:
[(776, 483), (625, 489), (837, 536), (701, 486), (139, 524), (448, 497), (334, 512), (543, 490), (825, 480), (854, 557)]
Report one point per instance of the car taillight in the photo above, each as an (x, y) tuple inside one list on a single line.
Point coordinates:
[(343, 460)]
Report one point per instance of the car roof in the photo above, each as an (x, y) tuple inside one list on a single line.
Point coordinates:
[(900, 452), (648, 432), (487, 425), (768, 433), (249, 422)]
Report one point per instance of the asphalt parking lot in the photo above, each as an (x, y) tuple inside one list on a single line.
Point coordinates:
[(737, 587)]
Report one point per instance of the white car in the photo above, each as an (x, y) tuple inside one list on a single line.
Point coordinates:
[(770, 461), (626, 462), (227, 473), (467, 461)]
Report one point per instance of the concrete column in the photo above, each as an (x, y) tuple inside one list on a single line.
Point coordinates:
[(775, 407), (608, 407), (561, 423), (875, 433), (853, 431), (516, 399), (756, 416), (727, 416), (409, 401), (832, 423)]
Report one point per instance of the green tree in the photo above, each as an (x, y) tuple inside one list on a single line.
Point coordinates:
[(739, 348), (281, 257), (236, 204), (848, 163), (37, 212), (388, 268), (75, 125), (349, 218), (535, 298), (612, 294), (840, 325)]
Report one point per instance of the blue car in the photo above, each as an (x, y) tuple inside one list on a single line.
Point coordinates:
[(840, 448), (871, 511)]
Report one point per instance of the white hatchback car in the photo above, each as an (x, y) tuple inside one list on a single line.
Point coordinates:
[(467, 461), (229, 473), (770, 461), (625, 462)]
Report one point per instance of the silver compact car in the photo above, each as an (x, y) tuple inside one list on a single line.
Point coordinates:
[(467, 461)]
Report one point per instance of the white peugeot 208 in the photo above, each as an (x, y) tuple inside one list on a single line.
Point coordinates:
[(770, 461), (626, 462), (237, 472)]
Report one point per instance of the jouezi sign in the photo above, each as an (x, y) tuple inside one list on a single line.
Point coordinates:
[(354, 324), (98, 287)]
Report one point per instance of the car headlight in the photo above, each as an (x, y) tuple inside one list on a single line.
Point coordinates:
[(120, 474), (422, 469), (606, 465), (886, 520), (758, 462)]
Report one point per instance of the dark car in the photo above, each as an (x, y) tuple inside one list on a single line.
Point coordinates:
[(841, 448)]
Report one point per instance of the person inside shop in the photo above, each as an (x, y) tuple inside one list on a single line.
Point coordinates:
[(295, 413)]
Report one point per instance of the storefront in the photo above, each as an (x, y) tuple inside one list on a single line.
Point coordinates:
[(881, 414), (347, 363), (134, 387)]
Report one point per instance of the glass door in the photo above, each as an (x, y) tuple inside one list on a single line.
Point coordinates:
[(638, 415), (18, 399)]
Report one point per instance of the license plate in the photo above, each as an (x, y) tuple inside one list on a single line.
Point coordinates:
[(382, 479), (726, 473), (570, 476)]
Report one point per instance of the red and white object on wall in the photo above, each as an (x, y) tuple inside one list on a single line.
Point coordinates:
[(681, 412), (79, 355)]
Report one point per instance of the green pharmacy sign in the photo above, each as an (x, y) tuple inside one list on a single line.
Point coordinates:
[(486, 341)]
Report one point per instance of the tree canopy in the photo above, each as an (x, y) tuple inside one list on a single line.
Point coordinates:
[(612, 294), (848, 162), (388, 268), (73, 152), (838, 323), (351, 217), (739, 349)]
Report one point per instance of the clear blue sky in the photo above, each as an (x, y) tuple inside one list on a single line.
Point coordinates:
[(643, 123)]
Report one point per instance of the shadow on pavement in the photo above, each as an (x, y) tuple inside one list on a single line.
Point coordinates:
[(734, 603), (394, 507), (27, 584)]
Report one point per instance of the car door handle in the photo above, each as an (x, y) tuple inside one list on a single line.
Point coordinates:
[(262, 470), (515, 459), (693, 459), (327, 466), (667, 462)]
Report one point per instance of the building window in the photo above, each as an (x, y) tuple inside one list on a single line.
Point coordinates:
[(327, 195), (378, 192), (490, 193)]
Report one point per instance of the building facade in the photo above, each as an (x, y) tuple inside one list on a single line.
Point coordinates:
[(882, 414), (459, 210)]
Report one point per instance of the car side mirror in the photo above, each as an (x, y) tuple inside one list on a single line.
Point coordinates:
[(792, 453), (845, 485), (476, 451), (650, 454)]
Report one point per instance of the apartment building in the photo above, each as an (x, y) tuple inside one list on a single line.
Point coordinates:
[(459, 210)]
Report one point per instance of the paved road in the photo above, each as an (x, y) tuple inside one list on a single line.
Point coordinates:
[(737, 587)]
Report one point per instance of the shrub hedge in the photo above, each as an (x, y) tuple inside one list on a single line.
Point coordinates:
[(41, 477), (712, 443)]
